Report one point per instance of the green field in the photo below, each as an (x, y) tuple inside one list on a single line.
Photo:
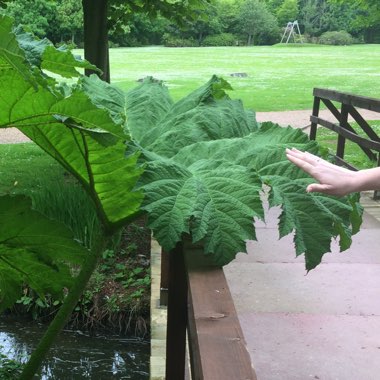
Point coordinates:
[(279, 77)]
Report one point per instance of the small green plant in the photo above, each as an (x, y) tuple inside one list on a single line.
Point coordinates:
[(35, 306), (172, 41), (10, 369)]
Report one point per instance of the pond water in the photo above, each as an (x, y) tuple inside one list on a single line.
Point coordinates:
[(78, 355)]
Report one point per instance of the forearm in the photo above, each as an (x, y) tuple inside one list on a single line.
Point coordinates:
[(367, 179)]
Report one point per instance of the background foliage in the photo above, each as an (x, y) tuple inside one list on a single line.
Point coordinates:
[(249, 21)]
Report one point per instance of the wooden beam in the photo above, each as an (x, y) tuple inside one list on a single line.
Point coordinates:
[(347, 134), (363, 124), (343, 123), (340, 162), (217, 345), (313, 126), (364, 102), (331, 107)]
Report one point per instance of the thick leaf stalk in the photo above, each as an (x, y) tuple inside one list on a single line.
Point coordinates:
[(64, 312)]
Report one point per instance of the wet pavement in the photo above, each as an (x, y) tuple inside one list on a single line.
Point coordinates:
[(321, 325)]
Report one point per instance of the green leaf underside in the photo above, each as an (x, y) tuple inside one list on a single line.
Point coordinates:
[(11, 55), (34, 250), (208, 161), (83, 137), (63, 62), (18, 46)]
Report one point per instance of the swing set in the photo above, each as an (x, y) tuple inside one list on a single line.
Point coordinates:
[(292, 30)]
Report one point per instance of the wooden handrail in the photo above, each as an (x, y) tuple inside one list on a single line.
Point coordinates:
[(349, 104), (217, 347), (364, 102)]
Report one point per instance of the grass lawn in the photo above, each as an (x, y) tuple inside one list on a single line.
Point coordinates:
[(352, 153), (26, 169), (280, 77)]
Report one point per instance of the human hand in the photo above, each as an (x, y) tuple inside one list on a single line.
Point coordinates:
[(332, 179)]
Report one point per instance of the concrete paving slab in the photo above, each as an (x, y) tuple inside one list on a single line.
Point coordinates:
[(269, 248), (323, 325), (281, 287), (272, 215), (305, 346)]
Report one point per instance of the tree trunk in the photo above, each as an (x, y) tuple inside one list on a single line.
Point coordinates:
[(96, 36), (200, 38), (249, 39)]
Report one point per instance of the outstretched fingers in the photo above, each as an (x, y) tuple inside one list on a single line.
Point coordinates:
[(331, 179), (304, 161)]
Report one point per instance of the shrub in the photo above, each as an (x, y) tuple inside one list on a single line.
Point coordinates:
[(70, 45), (336, 38), (223, 39), (172, 41)]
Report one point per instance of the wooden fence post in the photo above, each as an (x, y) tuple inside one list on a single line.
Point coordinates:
[(177, 315), (341, 139), (313, 126)]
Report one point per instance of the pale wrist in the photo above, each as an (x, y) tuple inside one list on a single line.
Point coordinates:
[(368, 179)]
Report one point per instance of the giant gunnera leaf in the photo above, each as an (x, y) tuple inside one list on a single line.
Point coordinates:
[(34, 251), (209, 163), (81, 125)]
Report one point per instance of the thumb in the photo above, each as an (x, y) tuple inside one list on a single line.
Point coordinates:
[(316, 187)]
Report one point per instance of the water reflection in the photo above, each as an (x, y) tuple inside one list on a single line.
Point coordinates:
[(77, 355)]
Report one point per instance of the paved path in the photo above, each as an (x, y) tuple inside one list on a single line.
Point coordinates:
[(324, 325), (301, 119), (297, 119)]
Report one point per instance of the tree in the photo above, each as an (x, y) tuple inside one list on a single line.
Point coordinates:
[(228, 15), (38, 16), (367, 17), (140, 30), (317, 17), (288, 11), (206, 23), (256, 20), (371, 9), (69, 18), (101, 15), (273, 5)]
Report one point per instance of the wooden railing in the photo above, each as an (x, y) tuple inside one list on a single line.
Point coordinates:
[(201, 309), (348, 106)]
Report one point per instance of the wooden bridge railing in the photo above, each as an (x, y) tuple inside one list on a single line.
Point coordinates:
[(348, 106), (200, 304)]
